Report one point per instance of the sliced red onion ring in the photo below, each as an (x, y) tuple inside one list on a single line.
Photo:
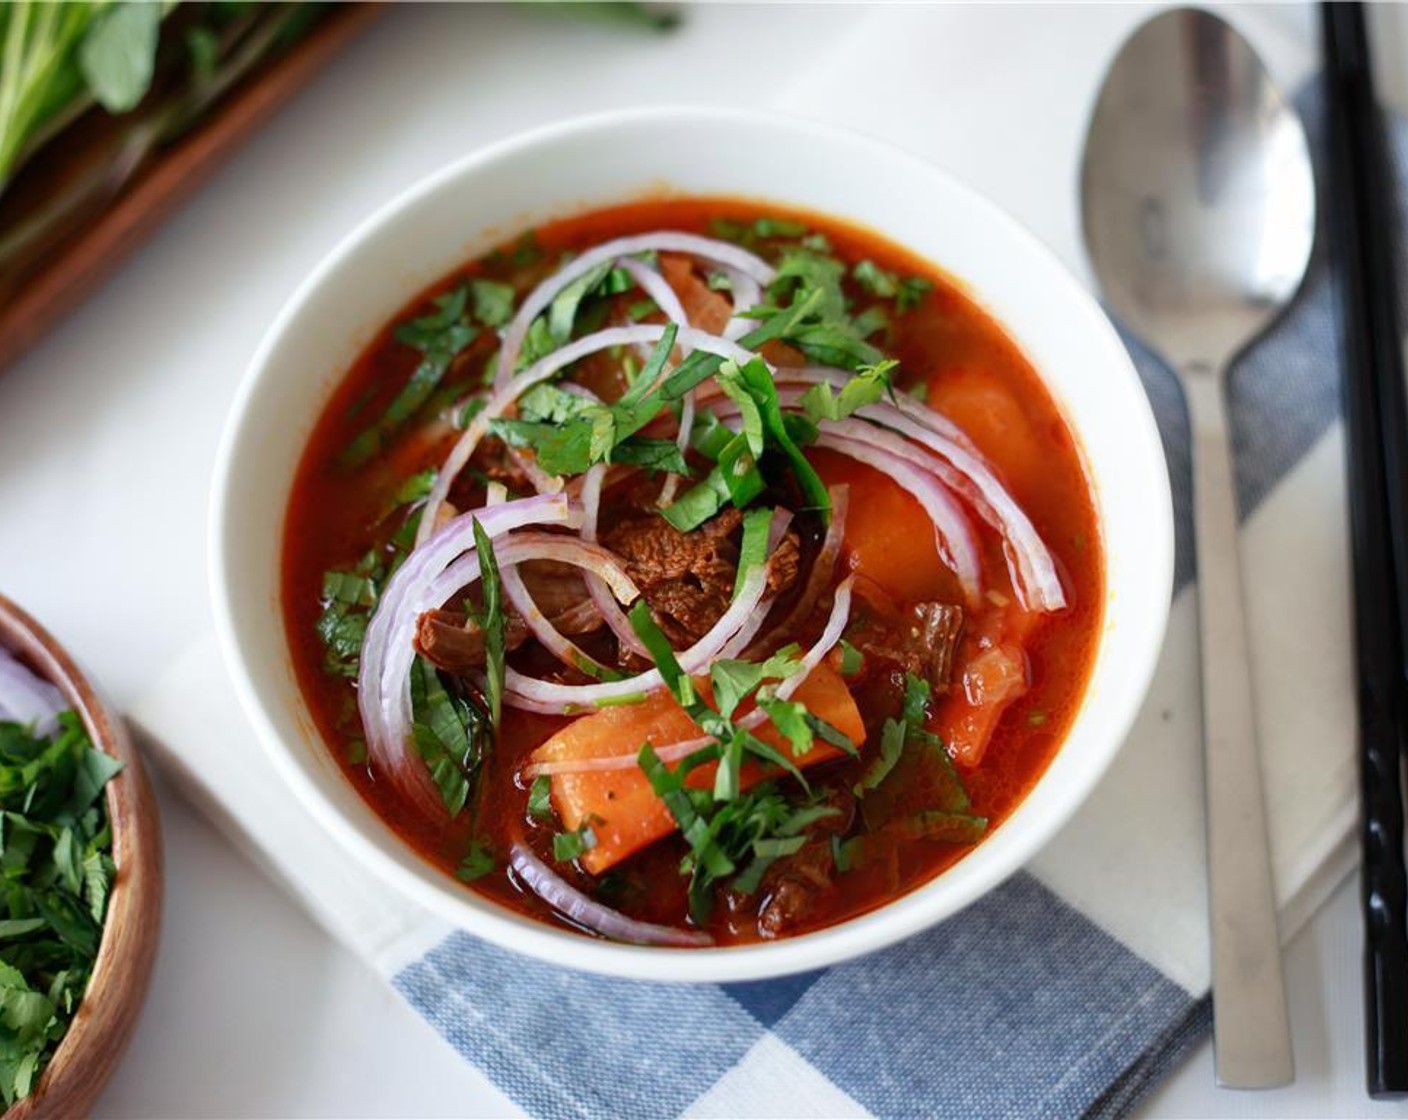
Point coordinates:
[(466, 570), (615, 618), (824, 566), (567, 900), (735, 646), (571, 698), (674, 752), (962, 469), (958, 545), (386, 707), (916, 410), (953, 532), (747, 294), (1033, 569), (500, 401), (656, 287), (28, 699), (541, 627), (385, 626), (669, 241), (830, 635), (687, 409), (541, 370)]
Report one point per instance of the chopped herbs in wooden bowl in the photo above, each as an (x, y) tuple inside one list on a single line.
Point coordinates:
[(80, 879)]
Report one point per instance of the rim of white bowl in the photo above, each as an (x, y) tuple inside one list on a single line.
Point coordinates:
[(909, 914)]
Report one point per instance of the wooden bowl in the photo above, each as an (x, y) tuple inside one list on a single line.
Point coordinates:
[(105, 1020)]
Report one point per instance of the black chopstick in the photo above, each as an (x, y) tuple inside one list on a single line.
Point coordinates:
[(1361, 225)]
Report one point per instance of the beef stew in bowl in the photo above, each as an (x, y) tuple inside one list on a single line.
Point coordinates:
[(688, 572)]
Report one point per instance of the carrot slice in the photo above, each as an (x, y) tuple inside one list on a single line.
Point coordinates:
[(623, 811)]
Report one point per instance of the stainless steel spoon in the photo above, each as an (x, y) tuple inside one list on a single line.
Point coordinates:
[(1198, 205)]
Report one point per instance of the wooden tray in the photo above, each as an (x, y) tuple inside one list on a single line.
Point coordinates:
[(83, 262)]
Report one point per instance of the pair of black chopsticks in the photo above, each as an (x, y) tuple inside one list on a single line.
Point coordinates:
[(1362, 223)]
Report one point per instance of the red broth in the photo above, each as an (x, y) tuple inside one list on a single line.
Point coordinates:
[(960, 360)]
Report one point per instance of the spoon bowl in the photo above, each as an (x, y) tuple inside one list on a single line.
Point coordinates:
[(1197, 195)]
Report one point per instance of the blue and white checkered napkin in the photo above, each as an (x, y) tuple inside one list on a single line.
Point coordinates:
[(1069, 990)]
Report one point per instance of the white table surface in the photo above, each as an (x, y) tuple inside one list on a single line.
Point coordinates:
[(107, 433)]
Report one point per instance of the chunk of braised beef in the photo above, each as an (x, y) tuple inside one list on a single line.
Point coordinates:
[(786, 563), (940, 626), (495, 460), (452, 641), (688, 578), (922, 639), (793, 885), (707, 309), (560, 593)]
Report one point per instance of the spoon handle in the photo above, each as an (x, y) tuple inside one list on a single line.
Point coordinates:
[(1252, 1038)]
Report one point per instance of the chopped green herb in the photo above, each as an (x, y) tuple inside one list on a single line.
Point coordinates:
[(734, 681), (540, 798), (651, 455), (722, 835), (951, 828), (907, 293), (493, 302), (477, 863), (439, 337), (491, 621), (822, 402), (450, 734), (892, 740), (753, 549), (549, 403), (852, 659), (414, 487), (913, 768), (567, 846), (56, 855), (118, 56), (755, 379), (537, 343), (762, 229)]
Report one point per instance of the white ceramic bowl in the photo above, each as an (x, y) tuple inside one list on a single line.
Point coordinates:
[(480, 200)]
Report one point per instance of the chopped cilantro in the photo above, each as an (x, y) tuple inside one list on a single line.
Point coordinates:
[(913, 767), (491, 621), (493, 302), (414, 487), (56, 853), (540, 798), (892, 740), (439, 337), (907, 292), (851, 659), (477, 863), (450, 733), (753, 549), (567, 846), (822, 402), (755, 379)]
